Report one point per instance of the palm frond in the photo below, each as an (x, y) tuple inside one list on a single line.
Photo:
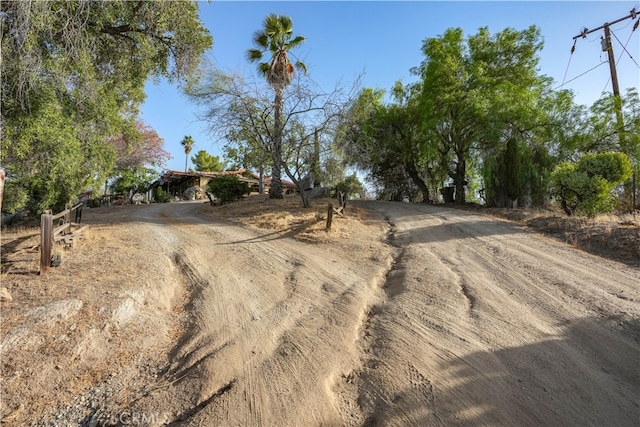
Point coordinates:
[(272, 25), (297, 41), (261, 39), (286, 24), (301, 66), (254, 55), (264, 68), (276, 37)]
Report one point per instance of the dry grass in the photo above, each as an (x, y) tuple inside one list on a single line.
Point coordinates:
[(46, 362), (288, 217)]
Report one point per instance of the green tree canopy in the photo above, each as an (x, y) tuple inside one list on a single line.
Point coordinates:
[(389, 142), (205, 162), (477, 92), (585, 187), (73, 76)]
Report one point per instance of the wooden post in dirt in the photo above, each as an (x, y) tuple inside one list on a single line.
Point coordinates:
[(2, 176), (46, 241), (329, 216), (67, 217)]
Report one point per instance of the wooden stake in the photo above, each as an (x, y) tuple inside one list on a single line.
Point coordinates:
[(329, 216), (46, 241)]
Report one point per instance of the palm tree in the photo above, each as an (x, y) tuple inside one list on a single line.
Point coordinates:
[(187, 142), (277, 38)]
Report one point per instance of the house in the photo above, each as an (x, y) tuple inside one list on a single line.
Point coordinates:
[(175, 183)]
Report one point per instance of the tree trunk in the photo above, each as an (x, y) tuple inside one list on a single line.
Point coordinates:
[(413, 173), (316, 159), (305, 198), (275, 191), (459, 181), (565, 208), (261, 182)]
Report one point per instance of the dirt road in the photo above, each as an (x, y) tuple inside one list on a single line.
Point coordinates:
[(403, 315), (437, 317)]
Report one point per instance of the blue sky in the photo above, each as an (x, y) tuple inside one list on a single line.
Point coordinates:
[(383, 40)]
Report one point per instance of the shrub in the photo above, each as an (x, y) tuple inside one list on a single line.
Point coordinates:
[(14, 197), (585, 187), (228, 188), (160, 196), (351, 186)]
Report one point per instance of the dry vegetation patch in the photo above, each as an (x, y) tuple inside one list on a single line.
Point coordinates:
[(289, 218), (89, 329)]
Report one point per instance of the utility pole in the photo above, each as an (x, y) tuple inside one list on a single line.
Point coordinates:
[(608, 47)]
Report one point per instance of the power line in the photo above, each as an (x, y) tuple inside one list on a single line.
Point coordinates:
[(624, 47), (606, 47), (573, 48), (580, 75)]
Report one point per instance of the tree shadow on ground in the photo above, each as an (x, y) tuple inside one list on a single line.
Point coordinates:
[(588, 376)]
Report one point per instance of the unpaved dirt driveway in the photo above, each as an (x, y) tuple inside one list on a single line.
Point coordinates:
[(436, 317)]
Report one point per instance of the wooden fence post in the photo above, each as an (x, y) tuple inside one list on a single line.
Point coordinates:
[(46, 241), (329, 216), (67, 217), (79, 215)]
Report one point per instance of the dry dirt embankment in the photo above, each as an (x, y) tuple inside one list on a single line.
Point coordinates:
[(403, 315)]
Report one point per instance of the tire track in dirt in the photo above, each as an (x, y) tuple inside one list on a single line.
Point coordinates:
[(374, 402), (492, 336)]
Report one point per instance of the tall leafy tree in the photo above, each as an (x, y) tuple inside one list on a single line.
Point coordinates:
[(144, 147), (601, 129), (276, 37), (73, 76), (139, 153), (474, 90), (389, 142), (133, 180), (187, 143)]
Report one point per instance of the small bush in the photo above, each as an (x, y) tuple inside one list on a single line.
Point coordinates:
[(585, 187), (228, 188), (351, 186), (160, 196), (14, 197)]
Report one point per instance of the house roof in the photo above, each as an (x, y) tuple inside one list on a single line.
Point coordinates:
[(173, 176)]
